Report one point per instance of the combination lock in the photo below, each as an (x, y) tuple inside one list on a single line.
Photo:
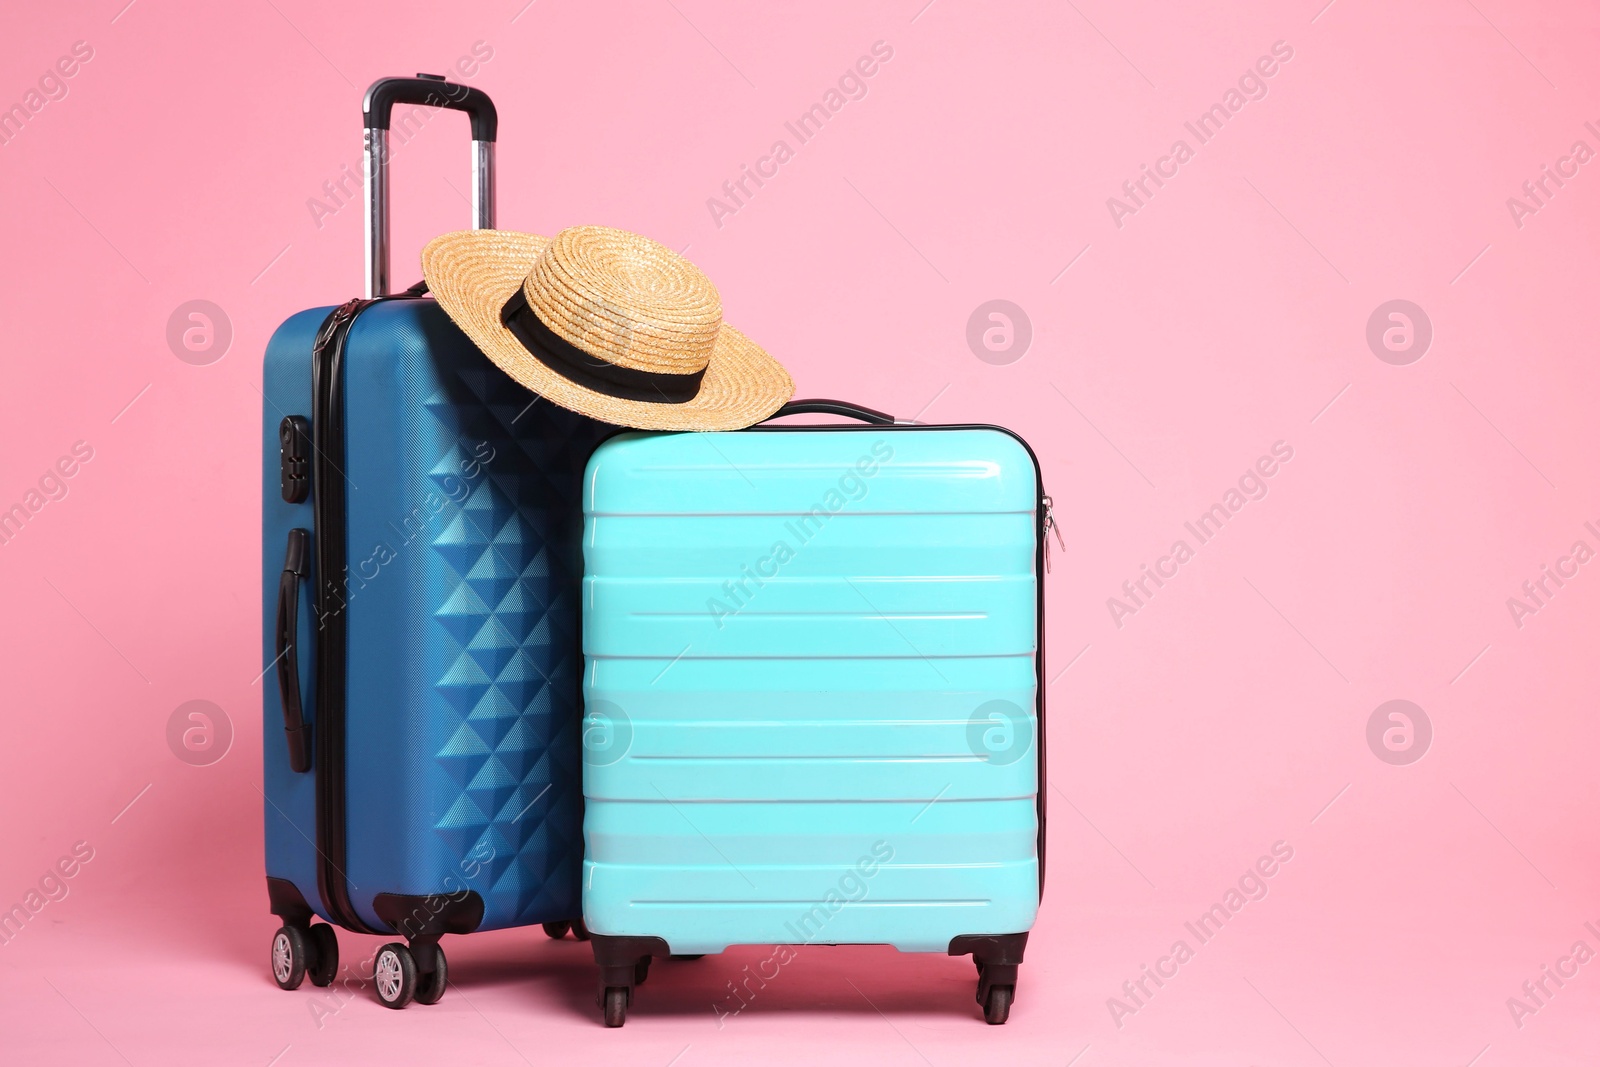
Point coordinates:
[(294, 458)]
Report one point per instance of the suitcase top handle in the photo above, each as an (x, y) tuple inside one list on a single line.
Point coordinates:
[(428, 90), (833, 407)]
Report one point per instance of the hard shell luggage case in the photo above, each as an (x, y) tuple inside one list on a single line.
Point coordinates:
[(813, 707), (421, 574)]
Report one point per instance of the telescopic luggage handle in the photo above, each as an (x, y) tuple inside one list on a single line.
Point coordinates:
[(429, 90)]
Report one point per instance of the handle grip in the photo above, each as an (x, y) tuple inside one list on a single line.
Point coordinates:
[(296, 732), (430, 90), (841, 408)]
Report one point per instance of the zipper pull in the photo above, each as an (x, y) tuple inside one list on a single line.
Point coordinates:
[(341, 314), (1050, 527)]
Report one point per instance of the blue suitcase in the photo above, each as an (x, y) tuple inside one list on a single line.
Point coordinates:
[(421, 575), (812, 696)]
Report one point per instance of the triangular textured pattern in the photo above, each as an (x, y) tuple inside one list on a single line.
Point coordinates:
[(525, 683), (464, 755), (511, 542), (462, 543), (464, 684), (463, 611), (495, 645), (495, 716)]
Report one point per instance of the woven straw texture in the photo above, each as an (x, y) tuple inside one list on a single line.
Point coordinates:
[(617, 296)]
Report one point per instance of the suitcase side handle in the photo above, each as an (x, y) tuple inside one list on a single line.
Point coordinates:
[(429, 90), (842, 408), (296, 732)]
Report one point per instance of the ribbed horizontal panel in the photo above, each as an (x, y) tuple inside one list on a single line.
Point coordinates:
[(890, 616), (767, 473), (706, 910), (738, 774), (762, 547), (804, 728), (936, 831), (802, 686)]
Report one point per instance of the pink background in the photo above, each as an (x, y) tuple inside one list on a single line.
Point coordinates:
[(1227, 314)]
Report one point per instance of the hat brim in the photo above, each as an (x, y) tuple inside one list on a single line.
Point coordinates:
[(473, 273)]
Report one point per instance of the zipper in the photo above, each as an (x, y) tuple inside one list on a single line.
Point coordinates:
[(1047, 526), (329, 524), (341, 315), (332, 640), (328, 500)]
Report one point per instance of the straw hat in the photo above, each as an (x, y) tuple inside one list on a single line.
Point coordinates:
[(606, 323)]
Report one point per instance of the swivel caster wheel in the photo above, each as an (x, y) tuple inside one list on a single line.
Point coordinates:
[(291, 955), (430, 987), (998, 1007), (324, 966), (580, 931), (394, 975), (556, 931), (615, 1005)]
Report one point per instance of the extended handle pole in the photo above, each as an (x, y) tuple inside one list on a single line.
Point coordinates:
[(430, 90)]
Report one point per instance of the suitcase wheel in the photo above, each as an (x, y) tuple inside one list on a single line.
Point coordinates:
[(394, 975), (641, 970), (430, 987), (556, 931), (324, 965), (997, 958), (580, 931), (615, 1005), (291, 951), (998, 1007)]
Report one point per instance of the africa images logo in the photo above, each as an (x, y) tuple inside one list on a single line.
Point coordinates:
[(51, 86), (852, 85), (1251, 886), (1252, 85), (850, 487), (1252, 485)]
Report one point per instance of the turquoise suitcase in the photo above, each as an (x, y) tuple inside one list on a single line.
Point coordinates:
[(812, 663)]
